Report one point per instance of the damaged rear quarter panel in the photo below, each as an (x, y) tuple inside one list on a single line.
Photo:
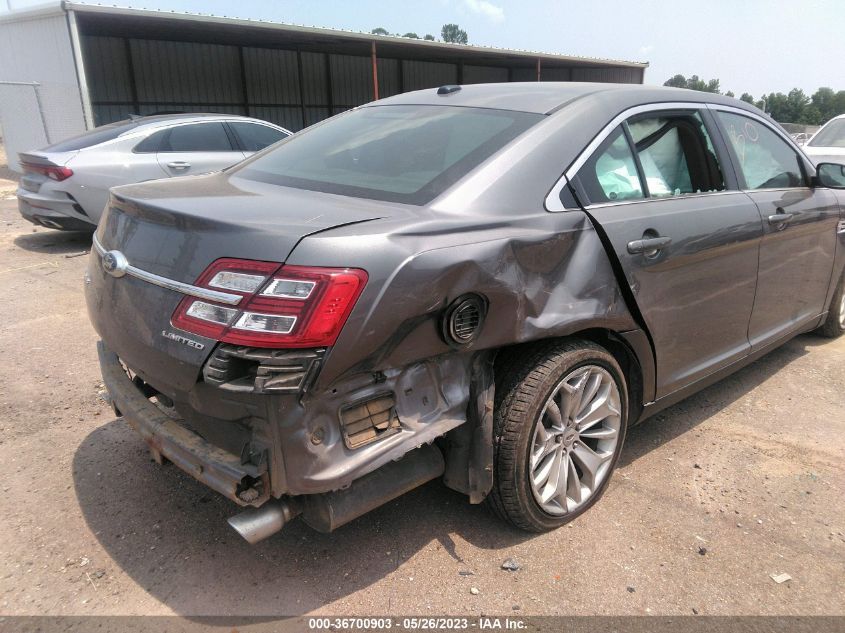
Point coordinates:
[(544, 275)]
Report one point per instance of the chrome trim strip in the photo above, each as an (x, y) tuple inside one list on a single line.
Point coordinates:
[(186, 289), (552, 201)]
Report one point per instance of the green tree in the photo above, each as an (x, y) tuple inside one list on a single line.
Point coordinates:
[(429, 37), (454, 34), (412, 35), (730, 94), (824, 101), (747, 98), (693, 83), (380, 31), (678, 81)]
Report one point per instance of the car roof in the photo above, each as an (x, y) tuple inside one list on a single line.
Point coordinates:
[(188, 117), (546, 97)]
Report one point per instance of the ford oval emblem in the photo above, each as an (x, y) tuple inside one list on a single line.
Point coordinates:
[(115, 264)]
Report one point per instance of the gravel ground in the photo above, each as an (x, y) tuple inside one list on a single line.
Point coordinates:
[(739, 482)]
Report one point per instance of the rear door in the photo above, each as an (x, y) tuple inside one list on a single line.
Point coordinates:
[(660, 190), (196, 148), (799, 223)]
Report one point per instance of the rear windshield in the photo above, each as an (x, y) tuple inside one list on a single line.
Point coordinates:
[(831, 135), (94, 137), (406, 154)]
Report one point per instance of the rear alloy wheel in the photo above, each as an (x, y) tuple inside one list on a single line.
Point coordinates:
[(560, 423), (834, 326)]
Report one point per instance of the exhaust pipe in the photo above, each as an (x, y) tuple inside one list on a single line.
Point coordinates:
[(257, 524), (328, 511)]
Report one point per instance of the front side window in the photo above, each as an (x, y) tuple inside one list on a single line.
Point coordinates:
[(254, 137), (406, 154), (765, 160)]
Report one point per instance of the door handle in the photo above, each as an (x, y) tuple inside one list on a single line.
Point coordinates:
[(780, 219), (650, 246), (178, 164)]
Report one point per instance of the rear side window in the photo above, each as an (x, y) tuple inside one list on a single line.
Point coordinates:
[(198, 137), (153, 143), (676, 155), (406, 154), (94, 137), (653, 156), (765, 160), (254, 137)]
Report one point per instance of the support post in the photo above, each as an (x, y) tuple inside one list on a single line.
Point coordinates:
[(538, 69), (375, 70)]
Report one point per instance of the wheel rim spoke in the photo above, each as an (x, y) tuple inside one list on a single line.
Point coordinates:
[(600, 433), (590, 462), (574, 490), (550, 488), (600, 408), (554, 414), (544, 470)]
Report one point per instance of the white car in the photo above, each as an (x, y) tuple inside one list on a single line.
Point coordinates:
[(828, 144), (66, 185)]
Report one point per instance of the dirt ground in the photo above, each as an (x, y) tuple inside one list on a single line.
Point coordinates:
[(740, 482)]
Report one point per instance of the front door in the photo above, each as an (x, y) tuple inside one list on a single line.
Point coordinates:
[(688, 245), (799, 223)]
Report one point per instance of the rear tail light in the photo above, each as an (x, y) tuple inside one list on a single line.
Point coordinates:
[(53, 172), (282, 306)]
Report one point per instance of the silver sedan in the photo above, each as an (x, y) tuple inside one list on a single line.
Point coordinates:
[(66, 185)]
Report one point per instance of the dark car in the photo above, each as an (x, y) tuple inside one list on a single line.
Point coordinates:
[(487, 283)]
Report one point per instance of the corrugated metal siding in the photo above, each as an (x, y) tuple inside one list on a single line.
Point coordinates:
[(272, 76), (555, 74), (185, 72), (608, 75), (352, 80), (484, 74), (389, 78), (419, 75), (291, 88), (108, 79)]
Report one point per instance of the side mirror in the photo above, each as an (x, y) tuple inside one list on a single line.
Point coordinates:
[(831, 175)]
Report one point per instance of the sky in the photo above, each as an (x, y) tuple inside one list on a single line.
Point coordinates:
[(755, 46)]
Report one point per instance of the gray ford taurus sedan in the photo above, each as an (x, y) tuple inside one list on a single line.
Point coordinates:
[(487, 283)]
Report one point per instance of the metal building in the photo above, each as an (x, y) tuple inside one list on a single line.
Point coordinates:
[(72, 66)]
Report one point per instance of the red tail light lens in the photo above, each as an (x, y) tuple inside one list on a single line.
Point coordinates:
[(282, 306), (53, 172)]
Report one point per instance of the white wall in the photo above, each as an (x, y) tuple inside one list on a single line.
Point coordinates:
[(37, 48)]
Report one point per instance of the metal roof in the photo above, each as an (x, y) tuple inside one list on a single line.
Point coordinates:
[(386, 43)]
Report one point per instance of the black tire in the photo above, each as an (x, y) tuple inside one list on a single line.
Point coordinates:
[(833, 326), (525, 380)]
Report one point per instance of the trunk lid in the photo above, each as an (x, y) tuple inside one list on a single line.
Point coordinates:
[(32, 180), (175, 229)]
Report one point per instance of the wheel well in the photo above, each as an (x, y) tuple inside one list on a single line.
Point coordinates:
[(620, 351)]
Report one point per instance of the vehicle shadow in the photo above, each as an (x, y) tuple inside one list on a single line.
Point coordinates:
[(55, 242), (689, 413), (169, 533)]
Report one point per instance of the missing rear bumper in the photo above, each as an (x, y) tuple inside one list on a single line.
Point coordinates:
[(245, 484)]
